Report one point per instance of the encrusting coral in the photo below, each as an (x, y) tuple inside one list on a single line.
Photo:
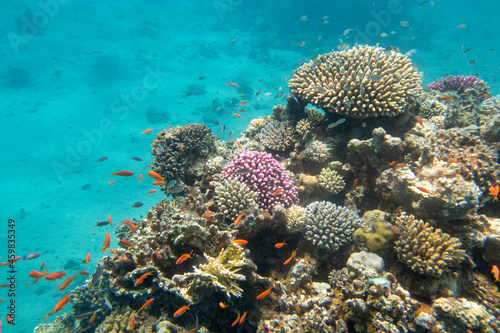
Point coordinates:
[(361, 82), (424, 249)]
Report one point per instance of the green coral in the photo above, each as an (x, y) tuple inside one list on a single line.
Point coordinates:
[(379, 239)]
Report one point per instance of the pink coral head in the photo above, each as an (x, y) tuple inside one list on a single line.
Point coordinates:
[(264, 175)]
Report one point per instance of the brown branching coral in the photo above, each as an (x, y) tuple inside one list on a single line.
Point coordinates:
[(424, 249), (361, 82), (277, 135)]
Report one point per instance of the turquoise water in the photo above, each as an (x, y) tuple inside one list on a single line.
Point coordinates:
[(77, 79)]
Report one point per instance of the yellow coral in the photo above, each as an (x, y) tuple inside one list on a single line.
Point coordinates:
[(377, 240)]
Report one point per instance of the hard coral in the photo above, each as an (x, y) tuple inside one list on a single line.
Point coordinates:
[(176, 149), (264, 176), (233, 198), (277, 135), (462, 85), (331, 181), (330, 226), (361, 82), (424, 249)]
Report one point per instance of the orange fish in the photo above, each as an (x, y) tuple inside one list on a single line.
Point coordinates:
[(289, 259), (218, 138), (130, 225), (151, 191), (278, 192), (155, 175), (207, 214), (236, 115), (238, 219), (87, 259), (239, 144), (140, 177), (111, 182), (419, 121), (60, 305), (243, 102), (494, 192), (143, 276), (184, 257), (223, 305), (279, 245), (107, 241), (232, 84), (399, 165), (146, 304), (83, 272), (38, 275), (445, 98), (132, 323), (126, 243), (157, 182), (149, 130), (181, 310), (239, 241), (242, 319), (423, 189), (355, 183), (123, 173), (495, 272), (42, 265), (392, 163), (110, 222), (264, 293), (236, 321), (66, 282), (54, 276)]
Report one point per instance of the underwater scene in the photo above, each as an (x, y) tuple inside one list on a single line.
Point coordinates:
[(250, 166)]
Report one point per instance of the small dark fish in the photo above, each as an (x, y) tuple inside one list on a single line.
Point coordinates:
[(202, 78), (82, 315), (101, 224), (242, 171), (97, 275), (31, 256), (349, 102), (230, 133), (171, 183), (137, 204), (423, 3), (309, 142), (223, 128), (176, 189), (346, 87), (216, 123), (338, 122), (472, 62), (189, 94), (86, 187), (374, 77), (104, 158), (466, 51), (137, 159)]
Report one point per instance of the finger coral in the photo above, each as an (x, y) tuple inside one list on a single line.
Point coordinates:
[(277, 135), (330, 226), (234, 197), (361, 82), (263, 175), (331, 181), (424, 249)]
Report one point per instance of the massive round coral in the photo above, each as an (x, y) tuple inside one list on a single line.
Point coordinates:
[(265, 176), (361, 82)]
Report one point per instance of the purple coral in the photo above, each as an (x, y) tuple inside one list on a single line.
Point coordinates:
[(462, 84), (264, 175)]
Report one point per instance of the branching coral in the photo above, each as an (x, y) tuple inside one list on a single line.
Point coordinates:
[(233, 198), (462, 85), (331, 181), (424, 249), (361, 82), (277, 135)]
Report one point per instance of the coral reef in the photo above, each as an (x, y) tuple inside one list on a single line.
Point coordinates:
[(361, 82), (176, 149), (317, 152), (329, 226), (424, 249), (233, 198), (277, 135), (376, 236), (462, 85), (264, 176), (303, 126), (331, 181), (296, 218), (359, 261)]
